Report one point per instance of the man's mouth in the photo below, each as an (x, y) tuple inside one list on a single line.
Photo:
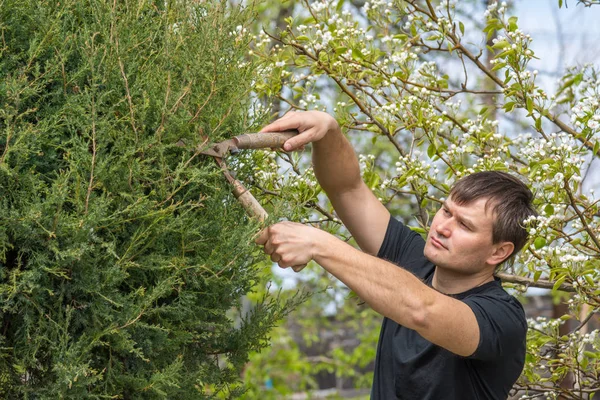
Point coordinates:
[(437, 243)]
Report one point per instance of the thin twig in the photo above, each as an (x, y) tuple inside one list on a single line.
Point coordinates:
[(212, 91), (584, 321), (91, 183), (163, 116), (579, 214), (129, 100)]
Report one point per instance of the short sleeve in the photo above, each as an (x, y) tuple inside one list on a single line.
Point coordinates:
[(502, 325), (404, 247)]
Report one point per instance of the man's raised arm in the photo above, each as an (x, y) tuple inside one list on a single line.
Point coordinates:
[(337, 170)]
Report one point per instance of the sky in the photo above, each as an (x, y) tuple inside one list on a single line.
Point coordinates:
[(562, 37)]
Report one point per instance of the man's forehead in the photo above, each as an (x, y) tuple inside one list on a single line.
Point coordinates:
[(476, 207)]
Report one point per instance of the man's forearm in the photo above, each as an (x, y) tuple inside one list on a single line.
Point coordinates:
[(335, 163), (388, 289)]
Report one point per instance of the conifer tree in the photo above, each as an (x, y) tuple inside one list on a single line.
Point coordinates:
[(123, 254)]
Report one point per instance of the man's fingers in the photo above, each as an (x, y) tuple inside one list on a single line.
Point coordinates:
[(299, 141), (298, 268), (291, 120), (282, 124), (262, 237), (273, 127), (289, 114), (268, 249), (280, 248)]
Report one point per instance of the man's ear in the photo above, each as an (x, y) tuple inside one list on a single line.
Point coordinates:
[(501, 252)]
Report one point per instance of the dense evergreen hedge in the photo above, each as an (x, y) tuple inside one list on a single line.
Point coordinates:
[(122, 252)]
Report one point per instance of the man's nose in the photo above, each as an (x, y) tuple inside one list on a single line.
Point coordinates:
[(444, 228)]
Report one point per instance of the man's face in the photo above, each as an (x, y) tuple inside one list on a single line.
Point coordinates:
[(460, 238)]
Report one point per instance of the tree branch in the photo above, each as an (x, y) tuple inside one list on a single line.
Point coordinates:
[(540, 283)]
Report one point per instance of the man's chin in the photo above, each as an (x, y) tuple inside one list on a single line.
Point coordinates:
[(428, 254), (435, 255)]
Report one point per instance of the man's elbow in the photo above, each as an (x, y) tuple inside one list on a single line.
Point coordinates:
[(419, 315), (459, 336)]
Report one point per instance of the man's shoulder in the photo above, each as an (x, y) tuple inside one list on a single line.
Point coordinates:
[(494, 294), (497, 310), (404, 247)]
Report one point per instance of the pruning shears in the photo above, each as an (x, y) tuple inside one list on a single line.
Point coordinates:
[(266, 140)]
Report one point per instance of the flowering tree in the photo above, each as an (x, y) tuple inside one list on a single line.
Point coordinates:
[(426, 106)]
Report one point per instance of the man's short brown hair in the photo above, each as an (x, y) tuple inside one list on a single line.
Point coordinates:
[(509, 197)]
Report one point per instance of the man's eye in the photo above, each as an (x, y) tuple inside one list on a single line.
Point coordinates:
[(446, 211)]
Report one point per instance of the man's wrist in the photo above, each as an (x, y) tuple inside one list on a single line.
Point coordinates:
[(323, 245), (333, 127)]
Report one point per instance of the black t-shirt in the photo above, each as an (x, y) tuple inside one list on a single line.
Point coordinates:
[(409, 367)]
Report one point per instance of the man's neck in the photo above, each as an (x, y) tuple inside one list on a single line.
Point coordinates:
[(449, 282)]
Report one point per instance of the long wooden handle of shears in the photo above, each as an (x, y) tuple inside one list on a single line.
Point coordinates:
[(266, 140)]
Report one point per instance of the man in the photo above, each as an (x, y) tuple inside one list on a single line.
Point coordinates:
[(450, 331)]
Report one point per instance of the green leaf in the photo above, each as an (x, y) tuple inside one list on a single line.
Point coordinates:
[(374, 180), (508, 107), (498, 66), (512, 24), (507, 79), (589, 280), (461, 26), (506, 53), (500, 44), (529, 105), (549, 209), (559, 282), (431, 150), (418, 229), (591, 354), (539, 243)]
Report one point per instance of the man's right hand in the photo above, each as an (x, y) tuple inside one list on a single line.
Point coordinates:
[(312, 126)]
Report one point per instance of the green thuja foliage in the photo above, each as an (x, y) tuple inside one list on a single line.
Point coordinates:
[(122, 251)]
